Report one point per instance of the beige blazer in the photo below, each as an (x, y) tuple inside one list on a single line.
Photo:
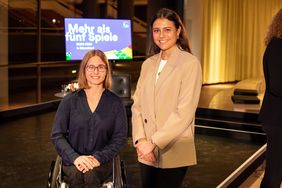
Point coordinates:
[(164, 111)]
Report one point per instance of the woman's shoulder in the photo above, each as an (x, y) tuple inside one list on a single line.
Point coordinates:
[(275, 42), (187, 59), (187, 55), (273, 48), (112, 97), (112, 100), (73, 96)]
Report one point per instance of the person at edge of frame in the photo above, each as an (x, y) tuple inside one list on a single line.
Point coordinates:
[(271, 109)]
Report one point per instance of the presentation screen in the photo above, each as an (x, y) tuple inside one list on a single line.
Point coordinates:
[(112, 36)]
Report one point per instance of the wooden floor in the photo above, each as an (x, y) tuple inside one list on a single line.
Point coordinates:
[(255, 179), (218, 96), (26, 144)]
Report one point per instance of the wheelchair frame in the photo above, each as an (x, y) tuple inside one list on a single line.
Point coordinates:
[(56, 180)]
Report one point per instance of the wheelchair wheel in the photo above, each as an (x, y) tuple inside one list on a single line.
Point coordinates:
[(50, 174), (119, 173), (56, 173), (123, 174)]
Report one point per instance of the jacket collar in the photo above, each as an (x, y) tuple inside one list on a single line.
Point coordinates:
[(168, 68)]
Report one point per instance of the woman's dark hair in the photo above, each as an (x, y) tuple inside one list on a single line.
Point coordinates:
[(182, 42), (275, 28)]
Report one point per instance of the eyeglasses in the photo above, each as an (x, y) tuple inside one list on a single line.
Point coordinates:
[(92, 68)]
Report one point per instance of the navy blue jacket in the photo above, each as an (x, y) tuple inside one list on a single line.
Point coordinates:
[(77, 131)]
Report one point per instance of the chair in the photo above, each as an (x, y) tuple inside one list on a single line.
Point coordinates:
[(121, 86)]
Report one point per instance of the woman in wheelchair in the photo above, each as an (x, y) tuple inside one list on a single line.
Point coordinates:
[(90, 125)]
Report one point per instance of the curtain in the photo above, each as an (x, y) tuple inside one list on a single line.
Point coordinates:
[(233, 38)]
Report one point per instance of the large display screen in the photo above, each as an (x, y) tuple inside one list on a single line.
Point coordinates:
[(112, 36)]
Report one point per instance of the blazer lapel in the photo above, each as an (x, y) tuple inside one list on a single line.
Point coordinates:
[(168, 68), (150, 87), (162, 77)]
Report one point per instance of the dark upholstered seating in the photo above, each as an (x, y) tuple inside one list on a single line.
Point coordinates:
[(245, 96), (245, 99), (121, 86), (247, 92)]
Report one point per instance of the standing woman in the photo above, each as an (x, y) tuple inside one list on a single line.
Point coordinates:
[(90, 126), (165, 102), (271, 110)]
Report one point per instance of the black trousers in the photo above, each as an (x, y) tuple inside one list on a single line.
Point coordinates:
[(93, 178), (273, 169), (152, 177)]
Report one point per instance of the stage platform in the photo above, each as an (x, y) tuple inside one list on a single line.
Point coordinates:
[(218, 96)]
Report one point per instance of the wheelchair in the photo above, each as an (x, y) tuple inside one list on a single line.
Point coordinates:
[(121, 87), (56, 177)]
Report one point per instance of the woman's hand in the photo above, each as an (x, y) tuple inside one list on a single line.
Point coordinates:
[(150, 157), (85, 163), (145, 150)]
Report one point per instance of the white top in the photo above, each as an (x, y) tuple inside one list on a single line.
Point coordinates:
[(161, 66)]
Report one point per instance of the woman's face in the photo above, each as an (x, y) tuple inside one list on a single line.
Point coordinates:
[(95, 71), (165, 34)]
